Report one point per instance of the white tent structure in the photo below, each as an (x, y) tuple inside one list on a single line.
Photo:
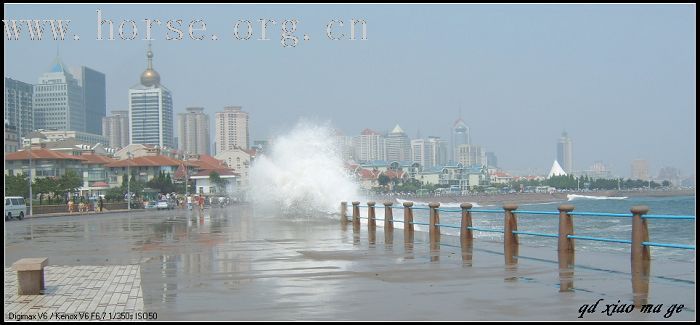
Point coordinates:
[(556, 170)]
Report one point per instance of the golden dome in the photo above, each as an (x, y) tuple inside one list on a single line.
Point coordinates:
[(150, 78)]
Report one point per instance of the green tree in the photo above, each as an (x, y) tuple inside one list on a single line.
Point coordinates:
[(43, 186), (17, 185), (220, 183), (115, 194), (383, 180), (68, 183)]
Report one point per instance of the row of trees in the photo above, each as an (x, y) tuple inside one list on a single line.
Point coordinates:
[(570, 182), (54, 189)]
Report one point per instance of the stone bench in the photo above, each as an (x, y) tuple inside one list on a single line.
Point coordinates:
[(30, 275)]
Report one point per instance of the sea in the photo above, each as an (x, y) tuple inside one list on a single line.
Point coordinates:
[(660, 230)]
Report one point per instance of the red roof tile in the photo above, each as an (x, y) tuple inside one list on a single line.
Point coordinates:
[(221, 172), (40, 154), (97, 159), (146, 161)]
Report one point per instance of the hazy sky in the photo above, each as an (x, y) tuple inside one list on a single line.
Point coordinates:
[(620, 79)]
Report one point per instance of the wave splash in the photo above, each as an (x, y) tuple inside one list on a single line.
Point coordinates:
[(302, 173), (572, 197)]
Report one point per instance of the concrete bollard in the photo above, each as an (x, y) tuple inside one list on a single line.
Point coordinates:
[(371, 223), (408, 218), (466, 234), (388, 223), (343, 212), (641, 256), (510, 240), (434, 220), (30, 275), (434, 231), (565, 249), (356, 216), (408, 228)]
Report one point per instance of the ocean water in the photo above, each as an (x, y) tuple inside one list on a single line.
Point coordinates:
[(660, 231)]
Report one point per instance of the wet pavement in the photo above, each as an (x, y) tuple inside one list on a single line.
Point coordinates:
[(240, 263)]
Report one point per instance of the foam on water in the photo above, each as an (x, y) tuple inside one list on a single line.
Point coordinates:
[(302, 173), (572, 197)]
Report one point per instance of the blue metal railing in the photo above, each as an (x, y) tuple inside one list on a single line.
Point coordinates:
[(553, 213)]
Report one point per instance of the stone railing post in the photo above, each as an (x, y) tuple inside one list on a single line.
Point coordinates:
[(434, 231), (343, 212), (565, 248), (510, 240), (466, 234), (408, 219), (641, 256), (388, 223), (371, 223)]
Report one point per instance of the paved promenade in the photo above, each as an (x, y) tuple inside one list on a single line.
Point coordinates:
[(243, 263), (108, 291)]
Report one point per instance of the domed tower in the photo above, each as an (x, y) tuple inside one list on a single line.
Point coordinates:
[(150, 77), (151, 110)]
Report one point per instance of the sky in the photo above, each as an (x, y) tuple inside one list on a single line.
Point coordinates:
[(619, 79)]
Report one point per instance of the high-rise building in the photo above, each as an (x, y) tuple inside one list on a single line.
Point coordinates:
[(437, 152), (19, 113), (418, 152), (151, 110), (469, 155), (232, 129), (95, 98), (460, 136), (491, 159), (640, 170), (11, 139), (116, 129), (193, 131), (58, 101), (398, 145), (343, 144), (565, 153), (369, 146), (671, 174), (429, 152)]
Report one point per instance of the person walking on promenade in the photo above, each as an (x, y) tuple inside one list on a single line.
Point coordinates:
[(201, 203), (101, 204), (70, 206)]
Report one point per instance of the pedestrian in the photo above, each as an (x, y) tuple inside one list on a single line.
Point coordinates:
[(101, 203), (70, 206)]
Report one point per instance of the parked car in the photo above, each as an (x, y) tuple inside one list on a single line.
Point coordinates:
[(150, 205), (15, 207), (165, 204)]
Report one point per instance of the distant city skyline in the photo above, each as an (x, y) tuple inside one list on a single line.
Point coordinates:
[(620, 79)]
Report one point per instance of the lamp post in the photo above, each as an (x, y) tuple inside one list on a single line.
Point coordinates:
[(4, 181), (128, 180), (31, 206)]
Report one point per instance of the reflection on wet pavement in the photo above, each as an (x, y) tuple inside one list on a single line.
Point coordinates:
[(242, 264)]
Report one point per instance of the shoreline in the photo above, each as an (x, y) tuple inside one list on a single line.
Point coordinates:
[(529, 198)]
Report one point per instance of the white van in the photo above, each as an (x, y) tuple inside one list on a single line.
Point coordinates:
[(15, 207)]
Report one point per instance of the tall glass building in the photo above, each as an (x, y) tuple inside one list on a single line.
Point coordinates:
[(151, 109), (58, 100), (460, 136), (18, 106), (565, 153), (94, 94)]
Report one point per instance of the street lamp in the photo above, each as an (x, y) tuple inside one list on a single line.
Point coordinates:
[(128, 180), (31, 206)]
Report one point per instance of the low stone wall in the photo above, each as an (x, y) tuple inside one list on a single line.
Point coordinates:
[(43, 209)]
